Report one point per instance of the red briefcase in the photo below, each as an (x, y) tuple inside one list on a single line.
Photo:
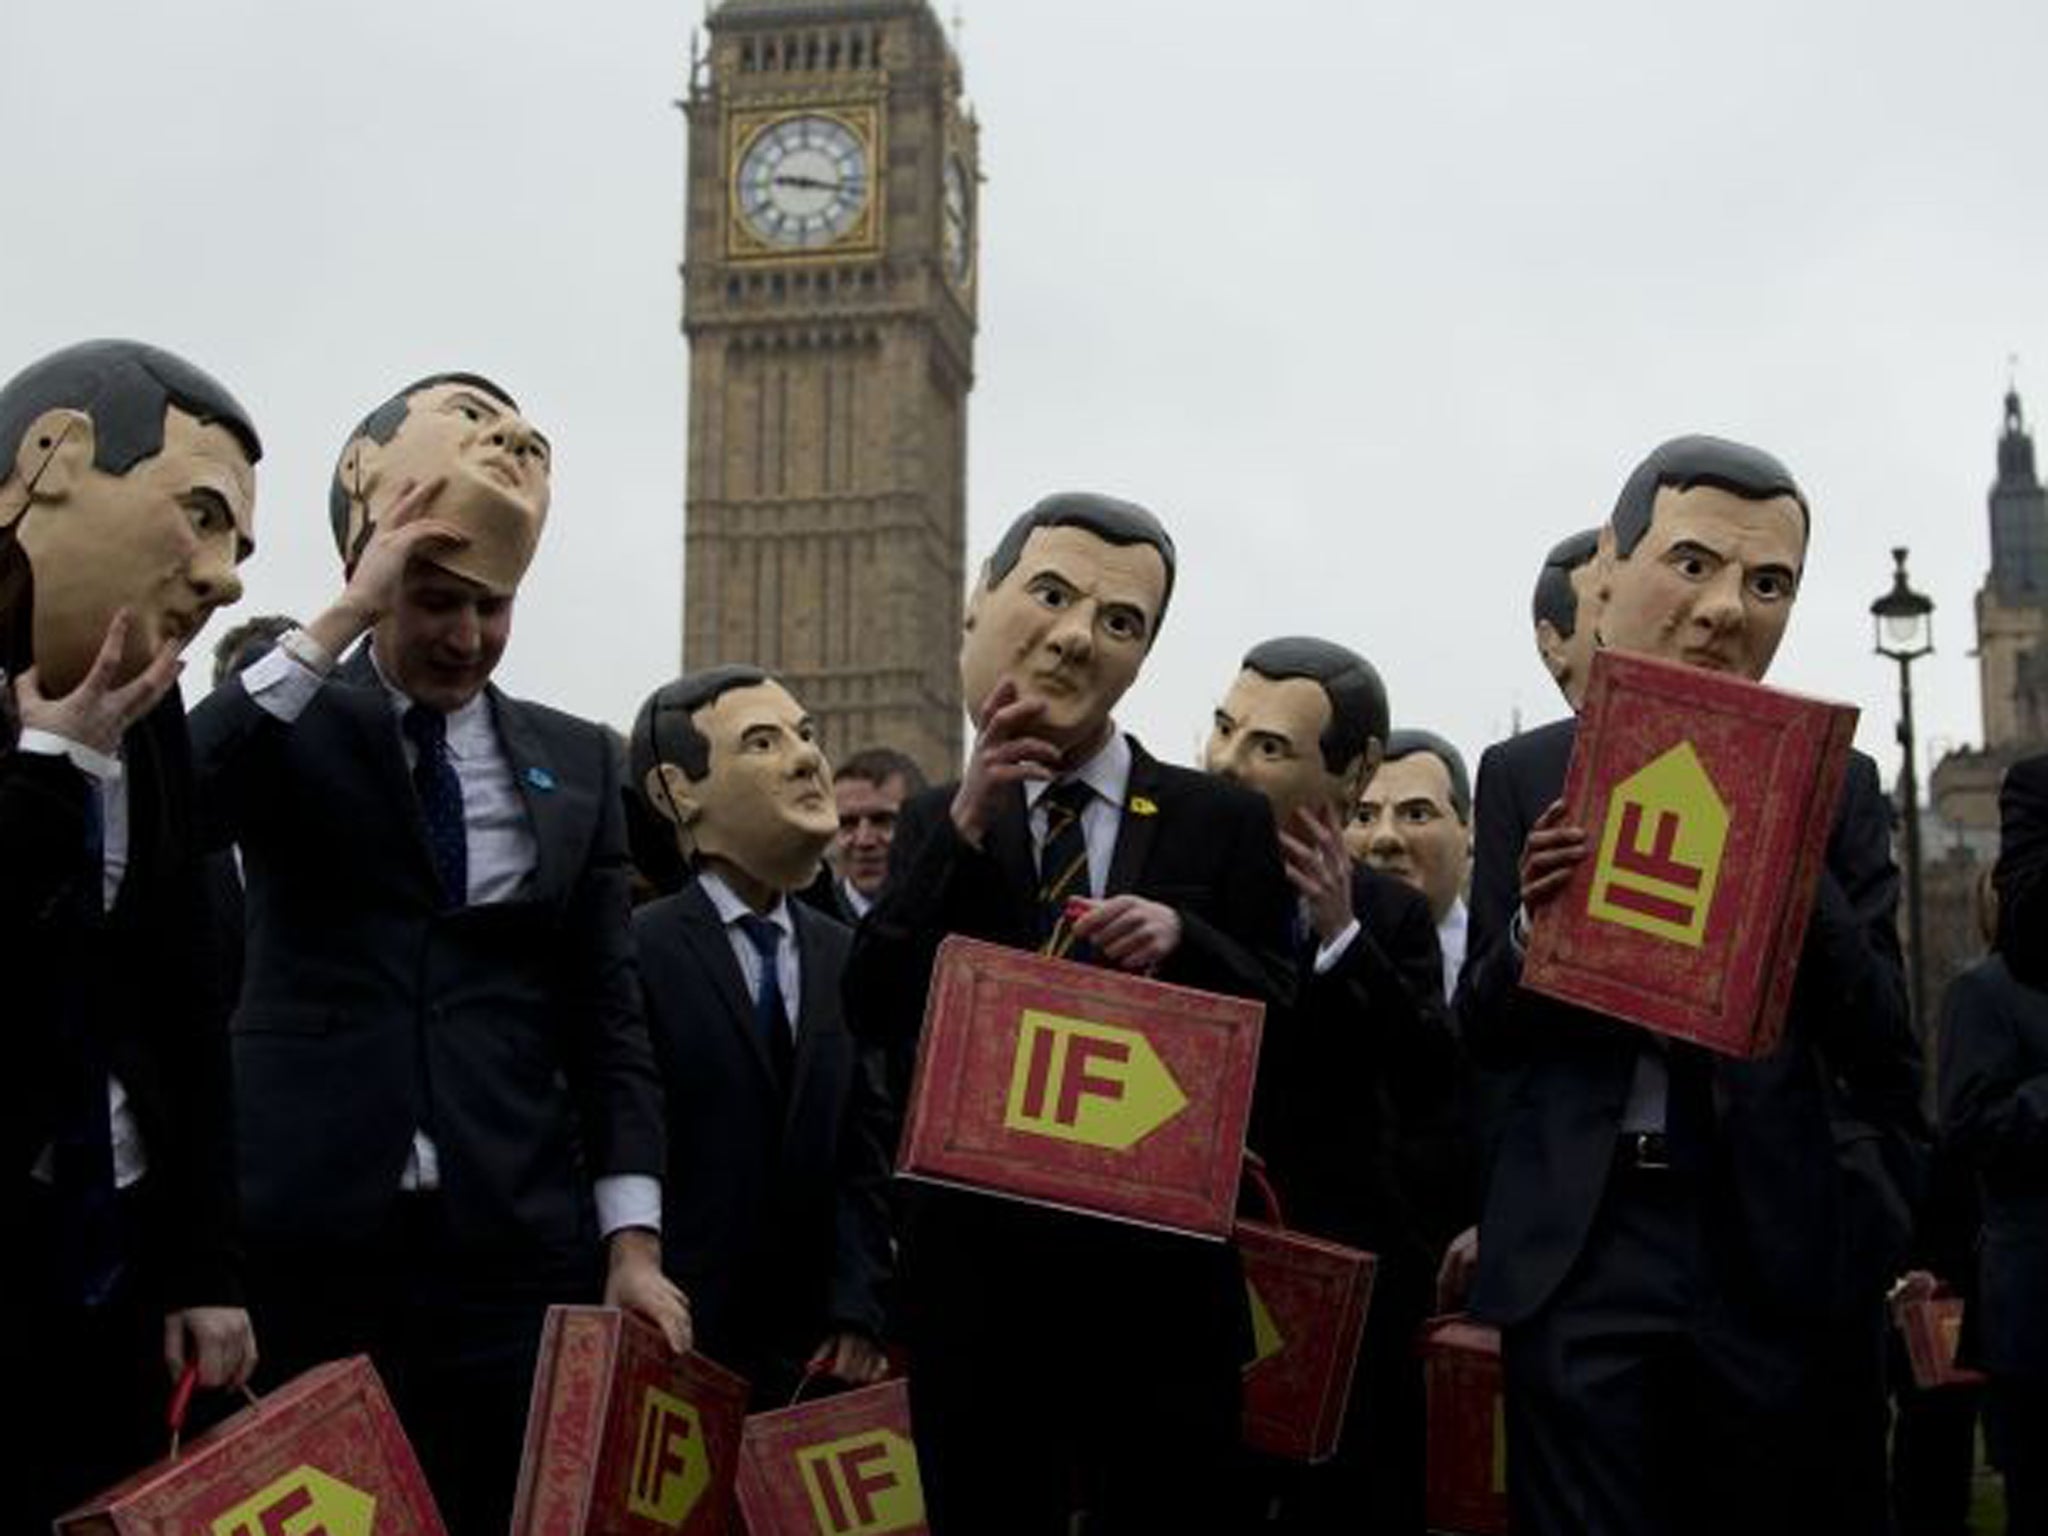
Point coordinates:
[(1467, 1457), (1308, 1300), (624, 1438), (1074, 1086), (1931, 1326), (1709, 800), (839, 1466), (324, 1452)]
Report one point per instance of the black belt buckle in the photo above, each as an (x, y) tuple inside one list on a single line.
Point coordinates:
[(1645, 1151)]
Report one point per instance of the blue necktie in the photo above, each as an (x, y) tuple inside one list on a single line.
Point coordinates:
[(771, 1013), (440, 792)]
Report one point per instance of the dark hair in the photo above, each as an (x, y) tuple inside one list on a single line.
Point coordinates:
[(247, 643), (878, 765), (663, 731), (380, 426), (1406, 743), (1358, 699), (1116, 522), (125, 387), (1685, 462), (1555, 599)]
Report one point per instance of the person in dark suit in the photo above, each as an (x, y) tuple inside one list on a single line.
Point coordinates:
[(447, 1095), (127, 486), (1994, 1115), (1366, 1052), (779, 1244), (1686, 1255), (1054, 1353)]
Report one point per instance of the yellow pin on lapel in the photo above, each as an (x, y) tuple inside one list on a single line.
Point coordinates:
[(1141, 806)]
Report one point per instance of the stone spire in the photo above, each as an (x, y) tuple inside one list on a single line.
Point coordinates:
[(2019, 515)]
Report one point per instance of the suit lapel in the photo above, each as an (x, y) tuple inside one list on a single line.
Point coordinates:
[(705, 933), (368, 708), (537, 772), (1010, 843), (816, 1009), (1135, 832)]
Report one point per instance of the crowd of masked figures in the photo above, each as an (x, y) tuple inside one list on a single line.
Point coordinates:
[(356, 1008)]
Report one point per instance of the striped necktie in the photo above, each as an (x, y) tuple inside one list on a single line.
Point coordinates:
[(1063, 855)]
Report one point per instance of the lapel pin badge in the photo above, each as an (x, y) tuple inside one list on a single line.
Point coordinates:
[(1141, 806), (540, 779)]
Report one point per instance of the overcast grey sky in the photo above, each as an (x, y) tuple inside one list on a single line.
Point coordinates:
[(1371, 302)]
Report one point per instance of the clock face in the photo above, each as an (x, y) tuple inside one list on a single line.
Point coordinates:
[(957, 231), (803, 181)]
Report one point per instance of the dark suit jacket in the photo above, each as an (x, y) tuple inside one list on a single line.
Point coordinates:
[(155, 999), (1366, 1054), (1994, 1114), (510, 1032), (1811, 1146), (775, 1241), (2022, 872), (1208, 850), (144, 967)]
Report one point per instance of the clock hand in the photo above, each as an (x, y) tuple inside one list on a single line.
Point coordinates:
[(806, 181)]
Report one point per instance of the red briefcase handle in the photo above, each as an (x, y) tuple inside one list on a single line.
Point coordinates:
[(181, 1403), (1262, 1187)]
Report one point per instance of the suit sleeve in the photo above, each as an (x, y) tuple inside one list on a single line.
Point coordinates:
[(235, 765), (2021, 875), (1242, 947), (1994, 1102), (1852, 974), (1388, 989), (937, 884), (863, 1254), (608, 1057)]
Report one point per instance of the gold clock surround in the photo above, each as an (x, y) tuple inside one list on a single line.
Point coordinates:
[(863, 236)]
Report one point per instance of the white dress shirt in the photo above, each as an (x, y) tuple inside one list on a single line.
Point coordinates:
[(788, 971), (1108, 773), (502, 858), (1450, 938)]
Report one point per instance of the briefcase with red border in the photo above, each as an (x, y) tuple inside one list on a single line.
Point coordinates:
[(1932, 1325), (1467, 1426), (1074, 1086), (1308, 1300), (838, 1466), (1708, 800), (324, 1452), (624, 1438)]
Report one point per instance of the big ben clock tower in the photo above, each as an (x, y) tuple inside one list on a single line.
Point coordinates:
[(828, 298)]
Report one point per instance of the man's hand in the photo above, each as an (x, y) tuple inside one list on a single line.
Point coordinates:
[(1005, 753), (851, 1357), (1454, 1275), (1318, 864), (1549, 856), (97, 713), (374, 581), (1131, 933), (634, 1282), (218, 1339)]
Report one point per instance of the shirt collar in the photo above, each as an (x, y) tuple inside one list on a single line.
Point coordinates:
[(731, 909), (469, 728), (1108, 772)]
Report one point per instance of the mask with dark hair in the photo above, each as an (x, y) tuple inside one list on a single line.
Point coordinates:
[(495, 471), (727, 757), (127, 481)]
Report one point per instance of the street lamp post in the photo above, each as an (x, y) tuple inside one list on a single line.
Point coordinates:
[(1905, 633)]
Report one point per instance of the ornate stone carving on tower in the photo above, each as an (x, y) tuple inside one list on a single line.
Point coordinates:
[(829, 302), (2012, 679)]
